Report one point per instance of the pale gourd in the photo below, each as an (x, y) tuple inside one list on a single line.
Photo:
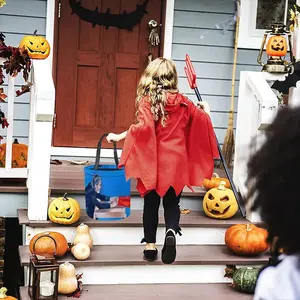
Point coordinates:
[(83, 235), (81, 251), (67, 281)]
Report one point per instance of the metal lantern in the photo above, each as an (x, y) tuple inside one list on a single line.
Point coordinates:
[(276, 50), (43, 276)]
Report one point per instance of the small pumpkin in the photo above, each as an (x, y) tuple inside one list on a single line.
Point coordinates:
[(67, 280), (37, 46), (64, 210), (276, 46), (81, 251), (215, 182), (83, 235), (3, 295), (246, 239), (19, 155), (220, 203), (45, 246), (243, 279)]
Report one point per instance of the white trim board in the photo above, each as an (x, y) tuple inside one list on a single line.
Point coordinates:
[(167, 52)]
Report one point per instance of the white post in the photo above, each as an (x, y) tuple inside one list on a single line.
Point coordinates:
[(40, 137), (168, 33)]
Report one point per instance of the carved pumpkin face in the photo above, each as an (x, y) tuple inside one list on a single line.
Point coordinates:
[(276, 46), (220, 203), (64, 210), (37, 46)]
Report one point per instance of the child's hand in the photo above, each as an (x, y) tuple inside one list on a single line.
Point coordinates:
[(204, 105), (112, 137)]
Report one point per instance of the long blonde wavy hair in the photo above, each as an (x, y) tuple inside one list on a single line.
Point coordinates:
[(159, 77)]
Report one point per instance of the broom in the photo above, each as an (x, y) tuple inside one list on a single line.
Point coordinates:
[(228, 146)]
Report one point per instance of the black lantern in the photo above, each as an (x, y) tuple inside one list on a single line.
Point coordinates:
[(43, 276), (276, 50)]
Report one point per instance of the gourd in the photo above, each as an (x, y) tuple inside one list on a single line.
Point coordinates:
[(3, 295), (215, 182), (19, 155), (220, 203), (67, 280), (64, 210), (83, 235), (45, 246), (246, 239), (37, 46), (244, 279), (81, 251), (276, 46)]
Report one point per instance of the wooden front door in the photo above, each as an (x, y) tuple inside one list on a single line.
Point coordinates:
[(98, 70)]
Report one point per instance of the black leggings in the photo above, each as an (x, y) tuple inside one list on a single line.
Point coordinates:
[(150, 214)]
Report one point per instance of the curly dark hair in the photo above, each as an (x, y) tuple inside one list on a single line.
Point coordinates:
[(274, 182)]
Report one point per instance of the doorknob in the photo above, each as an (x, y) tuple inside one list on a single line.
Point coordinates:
[(153, 38)]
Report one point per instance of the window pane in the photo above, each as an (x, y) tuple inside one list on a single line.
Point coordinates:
[(271, 11)]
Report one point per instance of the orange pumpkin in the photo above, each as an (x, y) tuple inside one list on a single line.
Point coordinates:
[(214, 182), (246, 239), (45, 246), (19, 155), (3, 295), (276, 46)]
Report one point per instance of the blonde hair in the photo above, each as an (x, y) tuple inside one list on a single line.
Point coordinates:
[(159, 77)]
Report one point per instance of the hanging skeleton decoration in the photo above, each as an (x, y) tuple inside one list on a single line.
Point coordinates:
[(121, 21), (153, 38)]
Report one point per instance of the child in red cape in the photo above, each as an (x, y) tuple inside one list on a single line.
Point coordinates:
[(172, 145)]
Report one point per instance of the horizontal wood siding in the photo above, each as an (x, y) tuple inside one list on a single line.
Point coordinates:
[(211, 51), (19, 18)]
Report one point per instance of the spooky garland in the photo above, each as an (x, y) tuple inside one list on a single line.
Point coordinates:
[(121, 21)]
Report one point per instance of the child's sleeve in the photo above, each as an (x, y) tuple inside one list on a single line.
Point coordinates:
[(139, 155)]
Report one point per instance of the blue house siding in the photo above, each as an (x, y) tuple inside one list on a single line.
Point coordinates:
[(212, 55), (19, 18)]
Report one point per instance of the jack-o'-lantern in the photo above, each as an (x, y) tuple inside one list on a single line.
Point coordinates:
[(19, 155), (64, 210), (220, 203), (36, 45), (276, 46)]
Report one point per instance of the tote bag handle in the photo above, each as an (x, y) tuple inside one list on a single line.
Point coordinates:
[(99, 146)]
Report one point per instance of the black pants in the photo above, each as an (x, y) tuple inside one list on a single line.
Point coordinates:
[(150, 215)]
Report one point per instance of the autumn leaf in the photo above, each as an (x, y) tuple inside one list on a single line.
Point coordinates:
[(24, 89), (2, 95)]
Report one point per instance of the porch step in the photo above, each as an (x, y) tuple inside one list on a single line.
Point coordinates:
[(218, 291), (197, 229), (125, 265)]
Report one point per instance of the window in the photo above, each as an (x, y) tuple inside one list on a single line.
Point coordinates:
[(257, 16)]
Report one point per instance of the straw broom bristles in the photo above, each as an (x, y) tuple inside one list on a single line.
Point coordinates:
[(228, 145)]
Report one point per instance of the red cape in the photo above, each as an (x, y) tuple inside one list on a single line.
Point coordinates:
[(180, 154)]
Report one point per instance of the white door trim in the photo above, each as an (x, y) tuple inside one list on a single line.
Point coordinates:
[(167, 52)]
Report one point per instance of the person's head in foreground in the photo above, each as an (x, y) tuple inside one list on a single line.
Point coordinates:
[(274, 174)]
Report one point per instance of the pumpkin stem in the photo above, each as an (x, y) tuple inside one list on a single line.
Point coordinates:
[(215, 175), (248, 227), (16, 141), (3, 292), (65, 197), (222, 186), (229, 271), (35, 32)]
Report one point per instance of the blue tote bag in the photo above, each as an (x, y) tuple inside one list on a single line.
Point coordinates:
[(107, 193)]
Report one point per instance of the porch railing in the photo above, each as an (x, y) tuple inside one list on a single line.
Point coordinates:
[(42, 101), (257, 107)]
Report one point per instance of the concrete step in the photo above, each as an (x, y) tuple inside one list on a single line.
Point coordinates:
[(197, 228), (125, 264), (158, 291)]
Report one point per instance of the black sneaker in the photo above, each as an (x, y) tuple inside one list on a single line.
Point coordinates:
[(150, 255), (169, 250)]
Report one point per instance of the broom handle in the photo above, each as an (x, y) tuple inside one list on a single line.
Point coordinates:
[(238, 199)]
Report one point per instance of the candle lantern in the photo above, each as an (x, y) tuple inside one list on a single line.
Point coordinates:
[(276, 50), (43, 275)]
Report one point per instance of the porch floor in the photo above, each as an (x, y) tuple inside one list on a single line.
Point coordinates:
[(69, 178)]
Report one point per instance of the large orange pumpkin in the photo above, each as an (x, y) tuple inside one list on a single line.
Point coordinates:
[(246, 239), (45, 245), (276, 46), (214, 182), (19, 155)]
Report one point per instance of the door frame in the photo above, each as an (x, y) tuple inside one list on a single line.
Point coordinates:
[(51, 36)]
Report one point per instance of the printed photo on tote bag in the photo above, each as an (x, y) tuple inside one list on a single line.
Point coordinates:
[(107, 193)]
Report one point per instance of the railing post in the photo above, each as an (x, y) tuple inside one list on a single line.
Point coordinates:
[(40, 137)]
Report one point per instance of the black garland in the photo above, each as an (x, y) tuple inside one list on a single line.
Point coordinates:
[(121, 21)]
